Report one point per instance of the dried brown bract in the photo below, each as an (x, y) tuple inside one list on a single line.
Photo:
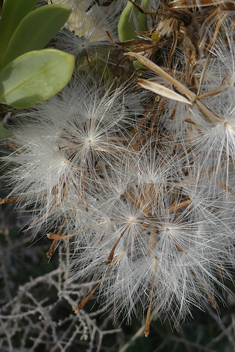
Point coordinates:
[(183, 24), (191, 25)]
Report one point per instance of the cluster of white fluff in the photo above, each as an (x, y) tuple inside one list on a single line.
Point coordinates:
[(142, 184)]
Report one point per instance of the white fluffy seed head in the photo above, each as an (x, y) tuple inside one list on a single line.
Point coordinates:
[(62, 144), (146, 196)]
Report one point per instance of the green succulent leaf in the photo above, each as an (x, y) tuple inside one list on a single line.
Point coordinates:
[(36, 30), (142, 18), (4, 133), (12, 13), (35, 77), (126, 25)]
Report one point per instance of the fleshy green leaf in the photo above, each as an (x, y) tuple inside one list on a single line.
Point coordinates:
[(126, 26), (142, 18), (12, 13), (36, 30), (35, 76), (4, 133)]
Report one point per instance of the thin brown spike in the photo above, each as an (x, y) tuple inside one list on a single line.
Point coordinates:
[(51, 249), (55, 236), (223, 186), (86, 299), (214, 92), (178, 206), (111, 254), (211, 299), (9, 200), (12, 146), (82, 304), (148, 316)]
